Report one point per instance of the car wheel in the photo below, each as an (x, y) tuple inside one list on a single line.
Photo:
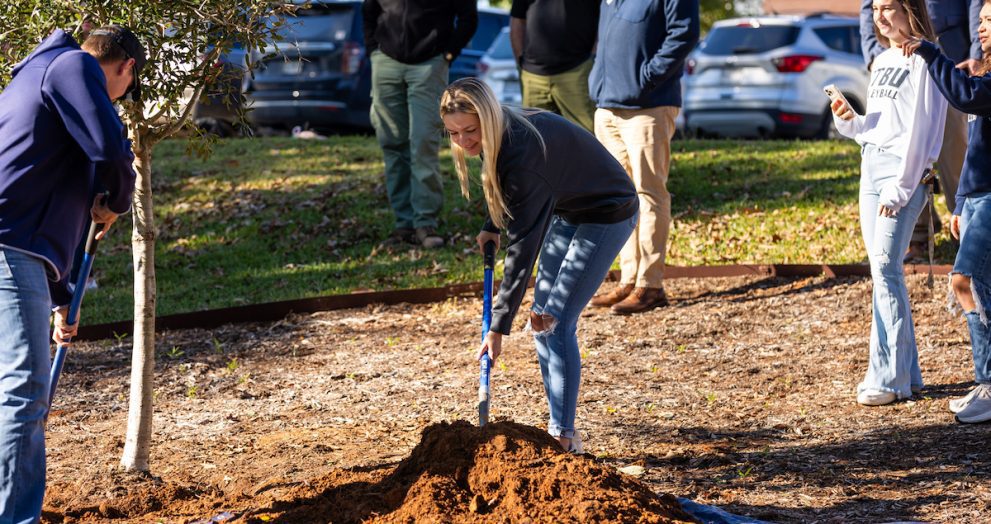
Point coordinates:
[(216, 127), (828, 129)]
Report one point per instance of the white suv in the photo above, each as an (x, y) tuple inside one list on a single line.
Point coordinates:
[(763, 76)]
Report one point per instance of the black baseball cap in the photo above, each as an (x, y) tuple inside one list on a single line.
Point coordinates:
[(124, 38)]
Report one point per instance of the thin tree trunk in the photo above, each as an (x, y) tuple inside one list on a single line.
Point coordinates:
[(137, 445)]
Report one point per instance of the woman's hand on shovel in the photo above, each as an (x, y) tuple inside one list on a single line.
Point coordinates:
[(491, 345), (63, 330)]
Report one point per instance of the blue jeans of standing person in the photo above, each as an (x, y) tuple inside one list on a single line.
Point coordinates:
[(573, 261), (24, 366), (894, 357), (974, 260)]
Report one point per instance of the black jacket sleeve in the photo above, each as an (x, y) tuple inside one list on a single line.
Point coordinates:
[(531, 206), (370, 11), (465, 26)]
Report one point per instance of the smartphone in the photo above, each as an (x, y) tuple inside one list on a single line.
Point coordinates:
[(834, 94)]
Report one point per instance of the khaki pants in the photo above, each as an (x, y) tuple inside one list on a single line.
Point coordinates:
[(641, 140), (949, 165), (564, 93)]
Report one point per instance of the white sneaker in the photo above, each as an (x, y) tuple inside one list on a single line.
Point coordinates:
[(957, 404), (979, 408), (875, 397), (576, 444)]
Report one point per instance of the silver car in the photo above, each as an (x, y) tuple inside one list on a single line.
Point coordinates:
[(763, 76)]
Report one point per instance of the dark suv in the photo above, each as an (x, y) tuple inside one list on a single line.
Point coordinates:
[(319, 76)]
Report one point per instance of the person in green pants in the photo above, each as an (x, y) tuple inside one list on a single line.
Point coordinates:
[(553, 42), (412, 43)]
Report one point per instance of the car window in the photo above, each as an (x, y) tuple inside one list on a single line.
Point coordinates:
[(320, 23), (502, 48), (747, 38), (489, 25), (839, 38)]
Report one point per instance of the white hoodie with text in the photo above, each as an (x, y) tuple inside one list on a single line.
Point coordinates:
[(905, 117)]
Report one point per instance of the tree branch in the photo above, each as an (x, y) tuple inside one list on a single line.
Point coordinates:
[(170, 128)]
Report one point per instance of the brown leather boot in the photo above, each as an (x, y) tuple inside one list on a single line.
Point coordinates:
[(641, 299), (612, 297)]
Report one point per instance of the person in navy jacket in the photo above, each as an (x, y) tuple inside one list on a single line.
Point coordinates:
[(971, 221), (955, 23), (636, 86), (60, 137)]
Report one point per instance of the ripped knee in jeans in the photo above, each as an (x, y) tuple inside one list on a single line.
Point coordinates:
[(541, 324), (954, 305)]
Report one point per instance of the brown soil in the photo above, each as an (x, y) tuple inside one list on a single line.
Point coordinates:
[(741, 394)]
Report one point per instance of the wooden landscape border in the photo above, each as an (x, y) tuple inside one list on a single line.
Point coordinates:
[(274, 311)]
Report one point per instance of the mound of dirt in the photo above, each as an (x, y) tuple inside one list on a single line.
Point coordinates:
[(504, 472)]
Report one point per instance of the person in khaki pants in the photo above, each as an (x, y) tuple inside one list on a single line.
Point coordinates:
[(636, 86), (553, 42)]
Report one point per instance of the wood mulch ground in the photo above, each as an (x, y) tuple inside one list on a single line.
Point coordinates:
[(741, 395)]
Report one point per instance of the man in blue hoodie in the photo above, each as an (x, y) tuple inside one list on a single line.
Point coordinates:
[(60, 137), (636, 85)]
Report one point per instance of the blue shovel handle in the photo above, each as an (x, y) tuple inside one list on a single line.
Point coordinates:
[(485, 370), (77, 299)]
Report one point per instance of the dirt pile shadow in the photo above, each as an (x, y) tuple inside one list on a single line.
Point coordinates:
[(504, 472)]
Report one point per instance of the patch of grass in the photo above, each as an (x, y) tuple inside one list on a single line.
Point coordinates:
[(277, 219)]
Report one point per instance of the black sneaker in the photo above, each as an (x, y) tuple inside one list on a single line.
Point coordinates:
[(401, 235)]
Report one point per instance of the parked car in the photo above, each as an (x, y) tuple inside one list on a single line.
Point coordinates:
[(498, 69), (319, 75), (763, 77), (216, 111)]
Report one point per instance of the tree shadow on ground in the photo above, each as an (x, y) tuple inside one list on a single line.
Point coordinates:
[(860, 468), (766, 288)]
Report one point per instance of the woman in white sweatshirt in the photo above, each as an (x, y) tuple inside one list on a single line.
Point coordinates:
[(900, 137)]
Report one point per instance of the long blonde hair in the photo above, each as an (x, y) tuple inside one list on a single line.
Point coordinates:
[(472, 96), (919, 23)]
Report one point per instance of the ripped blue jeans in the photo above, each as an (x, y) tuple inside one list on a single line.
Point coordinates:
[(574, 260), (974, 260), (894, 357)]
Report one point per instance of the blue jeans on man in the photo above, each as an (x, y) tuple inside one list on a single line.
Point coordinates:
[(573, 261), (25, 313), (894, 356)]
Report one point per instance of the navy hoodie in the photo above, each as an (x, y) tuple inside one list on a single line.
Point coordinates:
[(641, 53), (60, 137), (971, 95)]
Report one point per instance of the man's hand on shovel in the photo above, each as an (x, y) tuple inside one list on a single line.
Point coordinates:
[(101, 214)]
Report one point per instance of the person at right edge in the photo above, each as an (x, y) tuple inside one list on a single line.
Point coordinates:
[(553, 42), (955, 23), (636, 86), (970, 279)]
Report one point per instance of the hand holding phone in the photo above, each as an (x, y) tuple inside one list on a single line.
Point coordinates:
[(839, 105)]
